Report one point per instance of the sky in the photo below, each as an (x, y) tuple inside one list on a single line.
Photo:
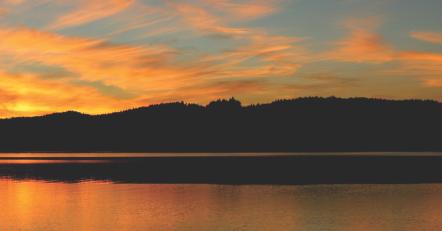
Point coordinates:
[(98, 56)]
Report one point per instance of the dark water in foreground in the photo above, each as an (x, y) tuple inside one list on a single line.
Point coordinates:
[(34, 196), (37, 205)]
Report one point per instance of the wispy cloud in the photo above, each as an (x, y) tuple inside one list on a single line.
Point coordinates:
[(431, 37), (27, 94), (89, 11), (362, 44), (271, 56), (204, 21), (215, 16), (433, 82), (6, 5), (14, 2), (148, 73), (92, 59), (127, 53), (246, 10), (3, 11), (427, 66)]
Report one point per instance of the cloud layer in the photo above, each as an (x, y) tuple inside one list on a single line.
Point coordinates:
[(101, 56)]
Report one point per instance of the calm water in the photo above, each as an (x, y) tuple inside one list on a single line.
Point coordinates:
[(38, 205), (34, 205)]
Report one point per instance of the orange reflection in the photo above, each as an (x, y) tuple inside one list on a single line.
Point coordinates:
[(36, 205), (46, 161)]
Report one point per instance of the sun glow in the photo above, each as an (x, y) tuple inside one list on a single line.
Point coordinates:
[(97, 57)]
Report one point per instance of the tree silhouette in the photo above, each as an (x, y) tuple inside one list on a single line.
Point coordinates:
[(310, 124)]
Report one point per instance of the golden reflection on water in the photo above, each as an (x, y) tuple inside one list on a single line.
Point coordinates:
[(38, 205), (49, 161), (126, 155)]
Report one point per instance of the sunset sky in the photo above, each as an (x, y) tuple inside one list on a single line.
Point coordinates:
[(98, 56)]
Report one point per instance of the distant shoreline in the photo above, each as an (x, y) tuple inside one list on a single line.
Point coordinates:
[(277, 170), (18, 155)]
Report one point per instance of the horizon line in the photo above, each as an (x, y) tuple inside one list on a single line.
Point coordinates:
[(224, 99)]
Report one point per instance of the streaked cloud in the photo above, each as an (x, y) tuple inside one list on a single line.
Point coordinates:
[(98, 56), (422, 56), (14, 2), (27, 94), (271, 55), (245, 10), (431, 37), (128, 72), (204, 21), (3, 11), (362, 44), (89, 11), (433, 82), (427, 66), (91, 59)]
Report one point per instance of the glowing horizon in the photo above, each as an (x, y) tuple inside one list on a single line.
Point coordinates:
[(97, 56)]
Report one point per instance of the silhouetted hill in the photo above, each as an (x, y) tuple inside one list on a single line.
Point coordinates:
[(303, 124)]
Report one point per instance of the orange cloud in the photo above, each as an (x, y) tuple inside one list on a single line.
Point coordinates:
[(14, 2), (3, 11), (425, 65), (206, 22), (212, 18), (142, 71), (362, 45), (260, 55), (245, 10), (90, 59), (422, 56), (149, 73), (272, 56), (431, 37), (433, 82), (27, 94), (91, 10)]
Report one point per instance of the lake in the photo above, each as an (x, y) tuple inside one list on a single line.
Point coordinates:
[(94, 205), (33, 200)]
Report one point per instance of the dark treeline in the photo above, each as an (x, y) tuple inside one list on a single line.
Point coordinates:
[(299, 125)]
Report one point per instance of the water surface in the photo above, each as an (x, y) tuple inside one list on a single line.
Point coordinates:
[(117, 191), (30, 205)]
